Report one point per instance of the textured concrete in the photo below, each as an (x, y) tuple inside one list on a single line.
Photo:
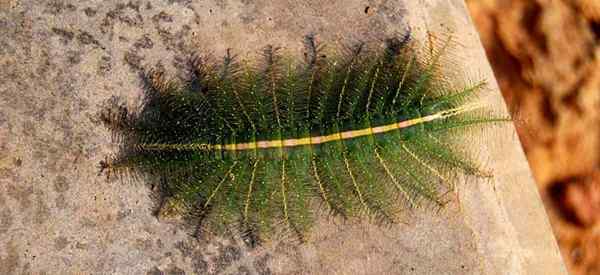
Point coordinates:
[(61, 60)]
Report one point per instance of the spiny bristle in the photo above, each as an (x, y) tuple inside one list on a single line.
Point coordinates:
[(256, 145)]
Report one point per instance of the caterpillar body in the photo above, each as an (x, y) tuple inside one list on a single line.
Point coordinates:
[(362, 133)]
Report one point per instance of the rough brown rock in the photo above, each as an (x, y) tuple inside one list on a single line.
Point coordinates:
[(546, 57)]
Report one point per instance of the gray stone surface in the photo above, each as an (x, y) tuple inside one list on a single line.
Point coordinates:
[(60, 60)]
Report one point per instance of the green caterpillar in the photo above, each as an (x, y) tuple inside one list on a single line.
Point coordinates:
[(362, 133)]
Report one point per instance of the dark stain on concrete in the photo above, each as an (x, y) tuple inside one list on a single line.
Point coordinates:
[(90, 12), (82, 246), (181, 2), (247, 17), (159, 244), (181, 62), (128, 14), (162, 17), (61, 184), (60, 243), (174, 39), (61, 202), (104, 65), (57, 7), (65, 35), (144, 42), (133, 60), (73, 57), (17, 162), (86, 38)]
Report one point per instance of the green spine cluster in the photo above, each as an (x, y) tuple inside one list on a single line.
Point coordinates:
[(262, 191)]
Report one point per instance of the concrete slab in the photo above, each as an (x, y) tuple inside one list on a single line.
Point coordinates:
[(60, 60)]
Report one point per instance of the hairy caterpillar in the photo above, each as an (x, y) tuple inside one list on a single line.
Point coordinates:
[(363, 133)]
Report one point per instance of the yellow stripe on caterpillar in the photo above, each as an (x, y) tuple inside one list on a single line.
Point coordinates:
[(293, 142)]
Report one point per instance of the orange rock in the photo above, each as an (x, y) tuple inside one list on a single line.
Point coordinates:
[(546, 57)]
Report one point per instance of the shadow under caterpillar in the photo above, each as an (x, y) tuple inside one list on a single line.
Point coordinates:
[(363, 132)]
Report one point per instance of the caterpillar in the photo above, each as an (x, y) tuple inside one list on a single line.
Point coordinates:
[(365, 132)]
